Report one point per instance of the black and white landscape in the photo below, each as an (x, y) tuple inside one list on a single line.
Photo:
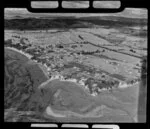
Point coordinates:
[(95, 58)]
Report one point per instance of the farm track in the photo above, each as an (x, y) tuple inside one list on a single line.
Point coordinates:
[(109, 48), (115, 51)]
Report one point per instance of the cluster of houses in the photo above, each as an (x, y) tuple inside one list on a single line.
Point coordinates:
[(61, 78), (81, 82), (127, 84)]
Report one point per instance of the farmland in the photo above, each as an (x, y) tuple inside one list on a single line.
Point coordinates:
[(99, 57)]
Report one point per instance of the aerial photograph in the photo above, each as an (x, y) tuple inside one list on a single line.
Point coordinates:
[(75, 67)]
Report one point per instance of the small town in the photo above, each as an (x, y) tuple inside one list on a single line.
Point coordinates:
[(75, 67)]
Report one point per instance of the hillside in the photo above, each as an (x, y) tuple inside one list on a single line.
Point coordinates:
[(70, 22)]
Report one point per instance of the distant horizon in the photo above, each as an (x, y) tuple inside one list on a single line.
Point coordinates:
[(23, 12)]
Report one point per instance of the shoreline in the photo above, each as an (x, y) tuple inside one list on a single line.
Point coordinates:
[(30, 60)]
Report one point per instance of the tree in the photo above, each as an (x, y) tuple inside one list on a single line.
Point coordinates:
[(8, 42), (103, 50)]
